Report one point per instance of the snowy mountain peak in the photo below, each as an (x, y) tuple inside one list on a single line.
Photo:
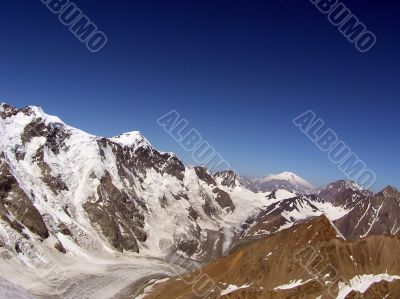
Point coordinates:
[(134, 138), (286, 180), (287, 176)]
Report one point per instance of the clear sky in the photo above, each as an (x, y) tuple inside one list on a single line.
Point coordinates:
[(238, 71)]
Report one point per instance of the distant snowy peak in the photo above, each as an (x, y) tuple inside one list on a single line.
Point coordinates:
[(132, 139), (286, 176), (285, 180)]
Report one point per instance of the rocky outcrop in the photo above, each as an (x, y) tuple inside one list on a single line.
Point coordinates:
[(205, 176), (223, 199), (55, 183), (124, 230), (15, 204), (281, 214), (344, 193), (228, 178), (376, 214)]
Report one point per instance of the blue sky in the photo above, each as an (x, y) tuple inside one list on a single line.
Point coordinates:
[(238, 71)]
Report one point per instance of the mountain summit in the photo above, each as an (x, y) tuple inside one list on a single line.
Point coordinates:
[(285, 180)]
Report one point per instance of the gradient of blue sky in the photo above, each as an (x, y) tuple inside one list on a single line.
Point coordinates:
[(239, 71)]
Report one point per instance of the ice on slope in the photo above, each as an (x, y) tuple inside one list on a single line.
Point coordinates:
[(292, 284), (9, 290), (232, 288)]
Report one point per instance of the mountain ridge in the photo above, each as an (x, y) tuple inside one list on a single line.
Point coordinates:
[(86, 199)]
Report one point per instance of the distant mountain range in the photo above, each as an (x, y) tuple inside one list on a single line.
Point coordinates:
[(109, 213)]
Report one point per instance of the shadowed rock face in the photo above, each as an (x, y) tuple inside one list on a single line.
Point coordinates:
[(229, 178), (123, 231), (373, 215), (273, 217), (141, 159), (308, 253), (146, 158), (204, 175), (221, 197), (344, 193), (56, 184), (55, 134), (14, 202)]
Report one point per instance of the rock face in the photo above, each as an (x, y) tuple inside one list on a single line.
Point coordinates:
[(228, 178), (123, 231), (16, 208), (376, 214), (315, 263), (344, 193)]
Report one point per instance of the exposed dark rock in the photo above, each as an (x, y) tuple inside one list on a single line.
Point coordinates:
[(377, 214), (56, 184), (60, 248), (8, 111), (139, 160), (115, 211), (145, 158), (180, 196), (193, 214), (272, 218), (36, 128), (272, 195), (62, 228), (344, 193), (188, 246), (223, 199), (229, 178), (55, 134), (204, 175), (17, 203), (208, 208), (17, 248), (163, 201)]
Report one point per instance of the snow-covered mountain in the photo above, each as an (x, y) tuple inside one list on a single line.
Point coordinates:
[(111, 212), (75, 196), (285, 180)]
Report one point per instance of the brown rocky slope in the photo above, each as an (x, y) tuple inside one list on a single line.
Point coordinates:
[(308, 260)]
